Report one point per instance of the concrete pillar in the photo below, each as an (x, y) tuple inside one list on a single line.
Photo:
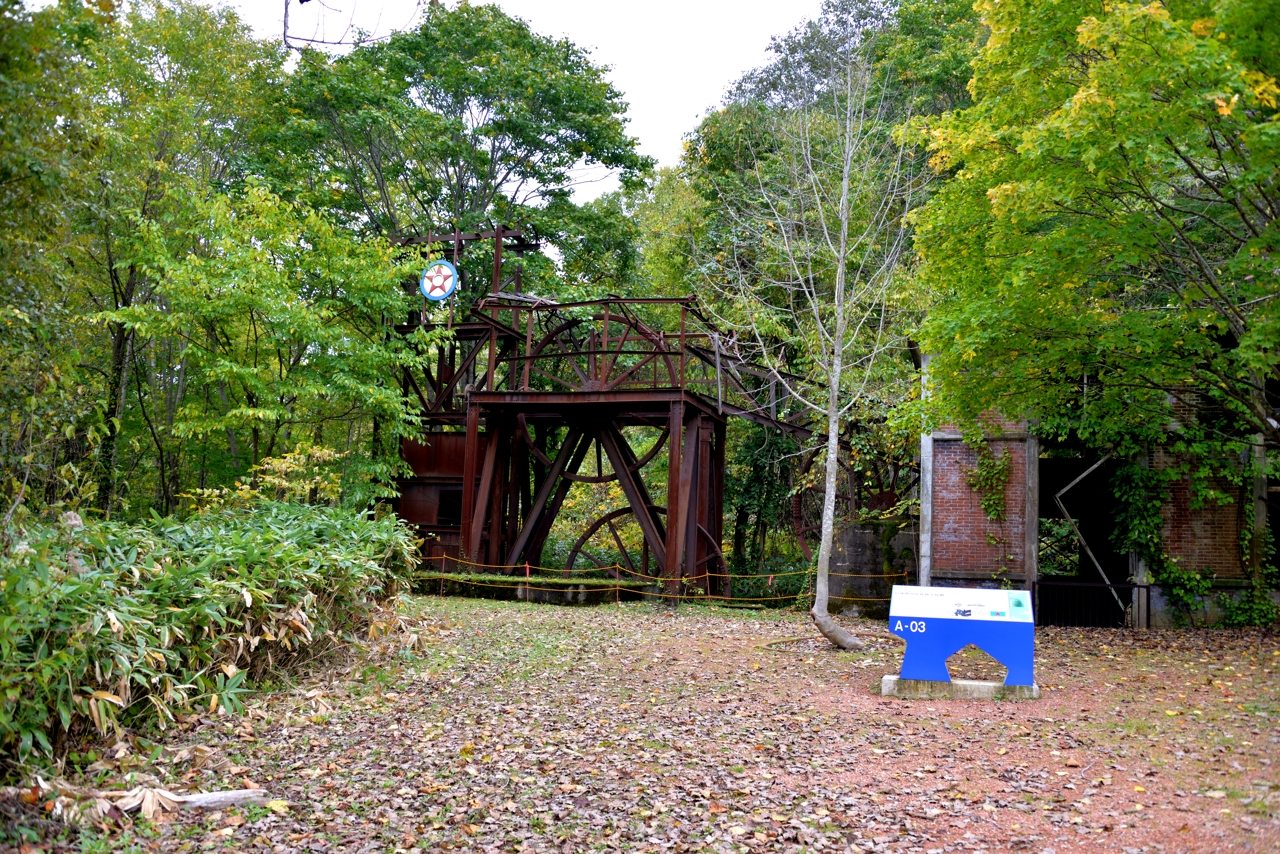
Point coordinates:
[(925, 549), (1031, 527)]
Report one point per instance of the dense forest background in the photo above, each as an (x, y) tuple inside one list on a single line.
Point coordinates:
[(1068, 211), (199, 231)]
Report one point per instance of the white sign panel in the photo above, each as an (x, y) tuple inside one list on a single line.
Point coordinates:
[(960, 603)]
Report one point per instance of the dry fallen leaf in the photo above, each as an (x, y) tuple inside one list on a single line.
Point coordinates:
[(616, 726), (147, 801)]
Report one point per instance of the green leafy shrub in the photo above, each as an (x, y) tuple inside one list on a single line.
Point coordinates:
[(106, 624), (1253, 607)]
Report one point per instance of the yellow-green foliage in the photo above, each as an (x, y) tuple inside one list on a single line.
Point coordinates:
[(106, 623)]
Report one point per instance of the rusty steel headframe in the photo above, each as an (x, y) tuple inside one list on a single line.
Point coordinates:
[(486, 488)]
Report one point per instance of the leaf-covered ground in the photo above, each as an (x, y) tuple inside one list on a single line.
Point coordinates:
[(510, 727)]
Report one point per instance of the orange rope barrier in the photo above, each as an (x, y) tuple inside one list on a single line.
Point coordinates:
[(617, 589), (620, 568), (518, 582)]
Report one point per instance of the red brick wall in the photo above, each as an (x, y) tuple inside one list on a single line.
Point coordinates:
[(961, 528), (1206, 537)]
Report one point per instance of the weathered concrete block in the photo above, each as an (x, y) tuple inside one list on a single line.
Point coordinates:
[(866, 561), (956, 689)]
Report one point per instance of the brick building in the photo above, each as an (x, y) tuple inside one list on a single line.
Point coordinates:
[(961, 546)]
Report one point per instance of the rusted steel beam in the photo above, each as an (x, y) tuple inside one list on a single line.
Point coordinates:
[(495, 326), (534, 549), (632, 488), (498, 494), (521, 496), (633, 466), (670, 560), (528, 347), (724, 587), (493, 356), (458, 237), (421, 397), (701, 518), (550, 305), (471, 451), (497, 259), (632, 398), (691, 496), (482, 495), (458, 374), (765, 420), (534, 517)]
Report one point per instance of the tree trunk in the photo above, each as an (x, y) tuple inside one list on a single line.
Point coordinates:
[(117, 377), (822, 586)]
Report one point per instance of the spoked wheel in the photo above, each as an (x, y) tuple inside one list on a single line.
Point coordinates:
[(603, 353), (712, 571), (611, 541)]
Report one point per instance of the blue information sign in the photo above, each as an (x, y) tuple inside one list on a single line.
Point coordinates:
[(937, 622)]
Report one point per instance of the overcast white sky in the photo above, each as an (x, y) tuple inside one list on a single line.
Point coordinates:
[(671, 58)]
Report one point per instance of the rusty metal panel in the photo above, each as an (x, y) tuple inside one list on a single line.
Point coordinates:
[(440, 456)]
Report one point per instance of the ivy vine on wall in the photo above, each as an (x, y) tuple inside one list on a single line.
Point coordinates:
[(988, 478), (1141, 493)]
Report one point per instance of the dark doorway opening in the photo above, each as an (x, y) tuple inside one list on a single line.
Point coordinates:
[(1091, 590), (450, 512)]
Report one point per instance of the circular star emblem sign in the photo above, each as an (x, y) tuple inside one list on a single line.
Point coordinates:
[(439, 280)]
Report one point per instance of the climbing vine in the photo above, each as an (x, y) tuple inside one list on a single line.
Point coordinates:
[(989, 477), (1141, 494)]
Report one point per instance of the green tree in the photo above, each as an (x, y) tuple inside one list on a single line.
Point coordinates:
[(283, 313), (1105, 246), (42, 397), (469, 120), (1103, 255), (800, 258), (169, 94)]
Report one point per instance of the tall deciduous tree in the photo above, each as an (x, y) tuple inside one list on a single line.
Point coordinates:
[(169, 93), (283, 311), (469, 119), (41, 398), (818, 231), (1105, 253)]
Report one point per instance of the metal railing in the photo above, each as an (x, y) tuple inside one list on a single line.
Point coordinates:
[(1092, 605)]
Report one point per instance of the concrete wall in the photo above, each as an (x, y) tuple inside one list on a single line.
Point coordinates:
[(866, 561)]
